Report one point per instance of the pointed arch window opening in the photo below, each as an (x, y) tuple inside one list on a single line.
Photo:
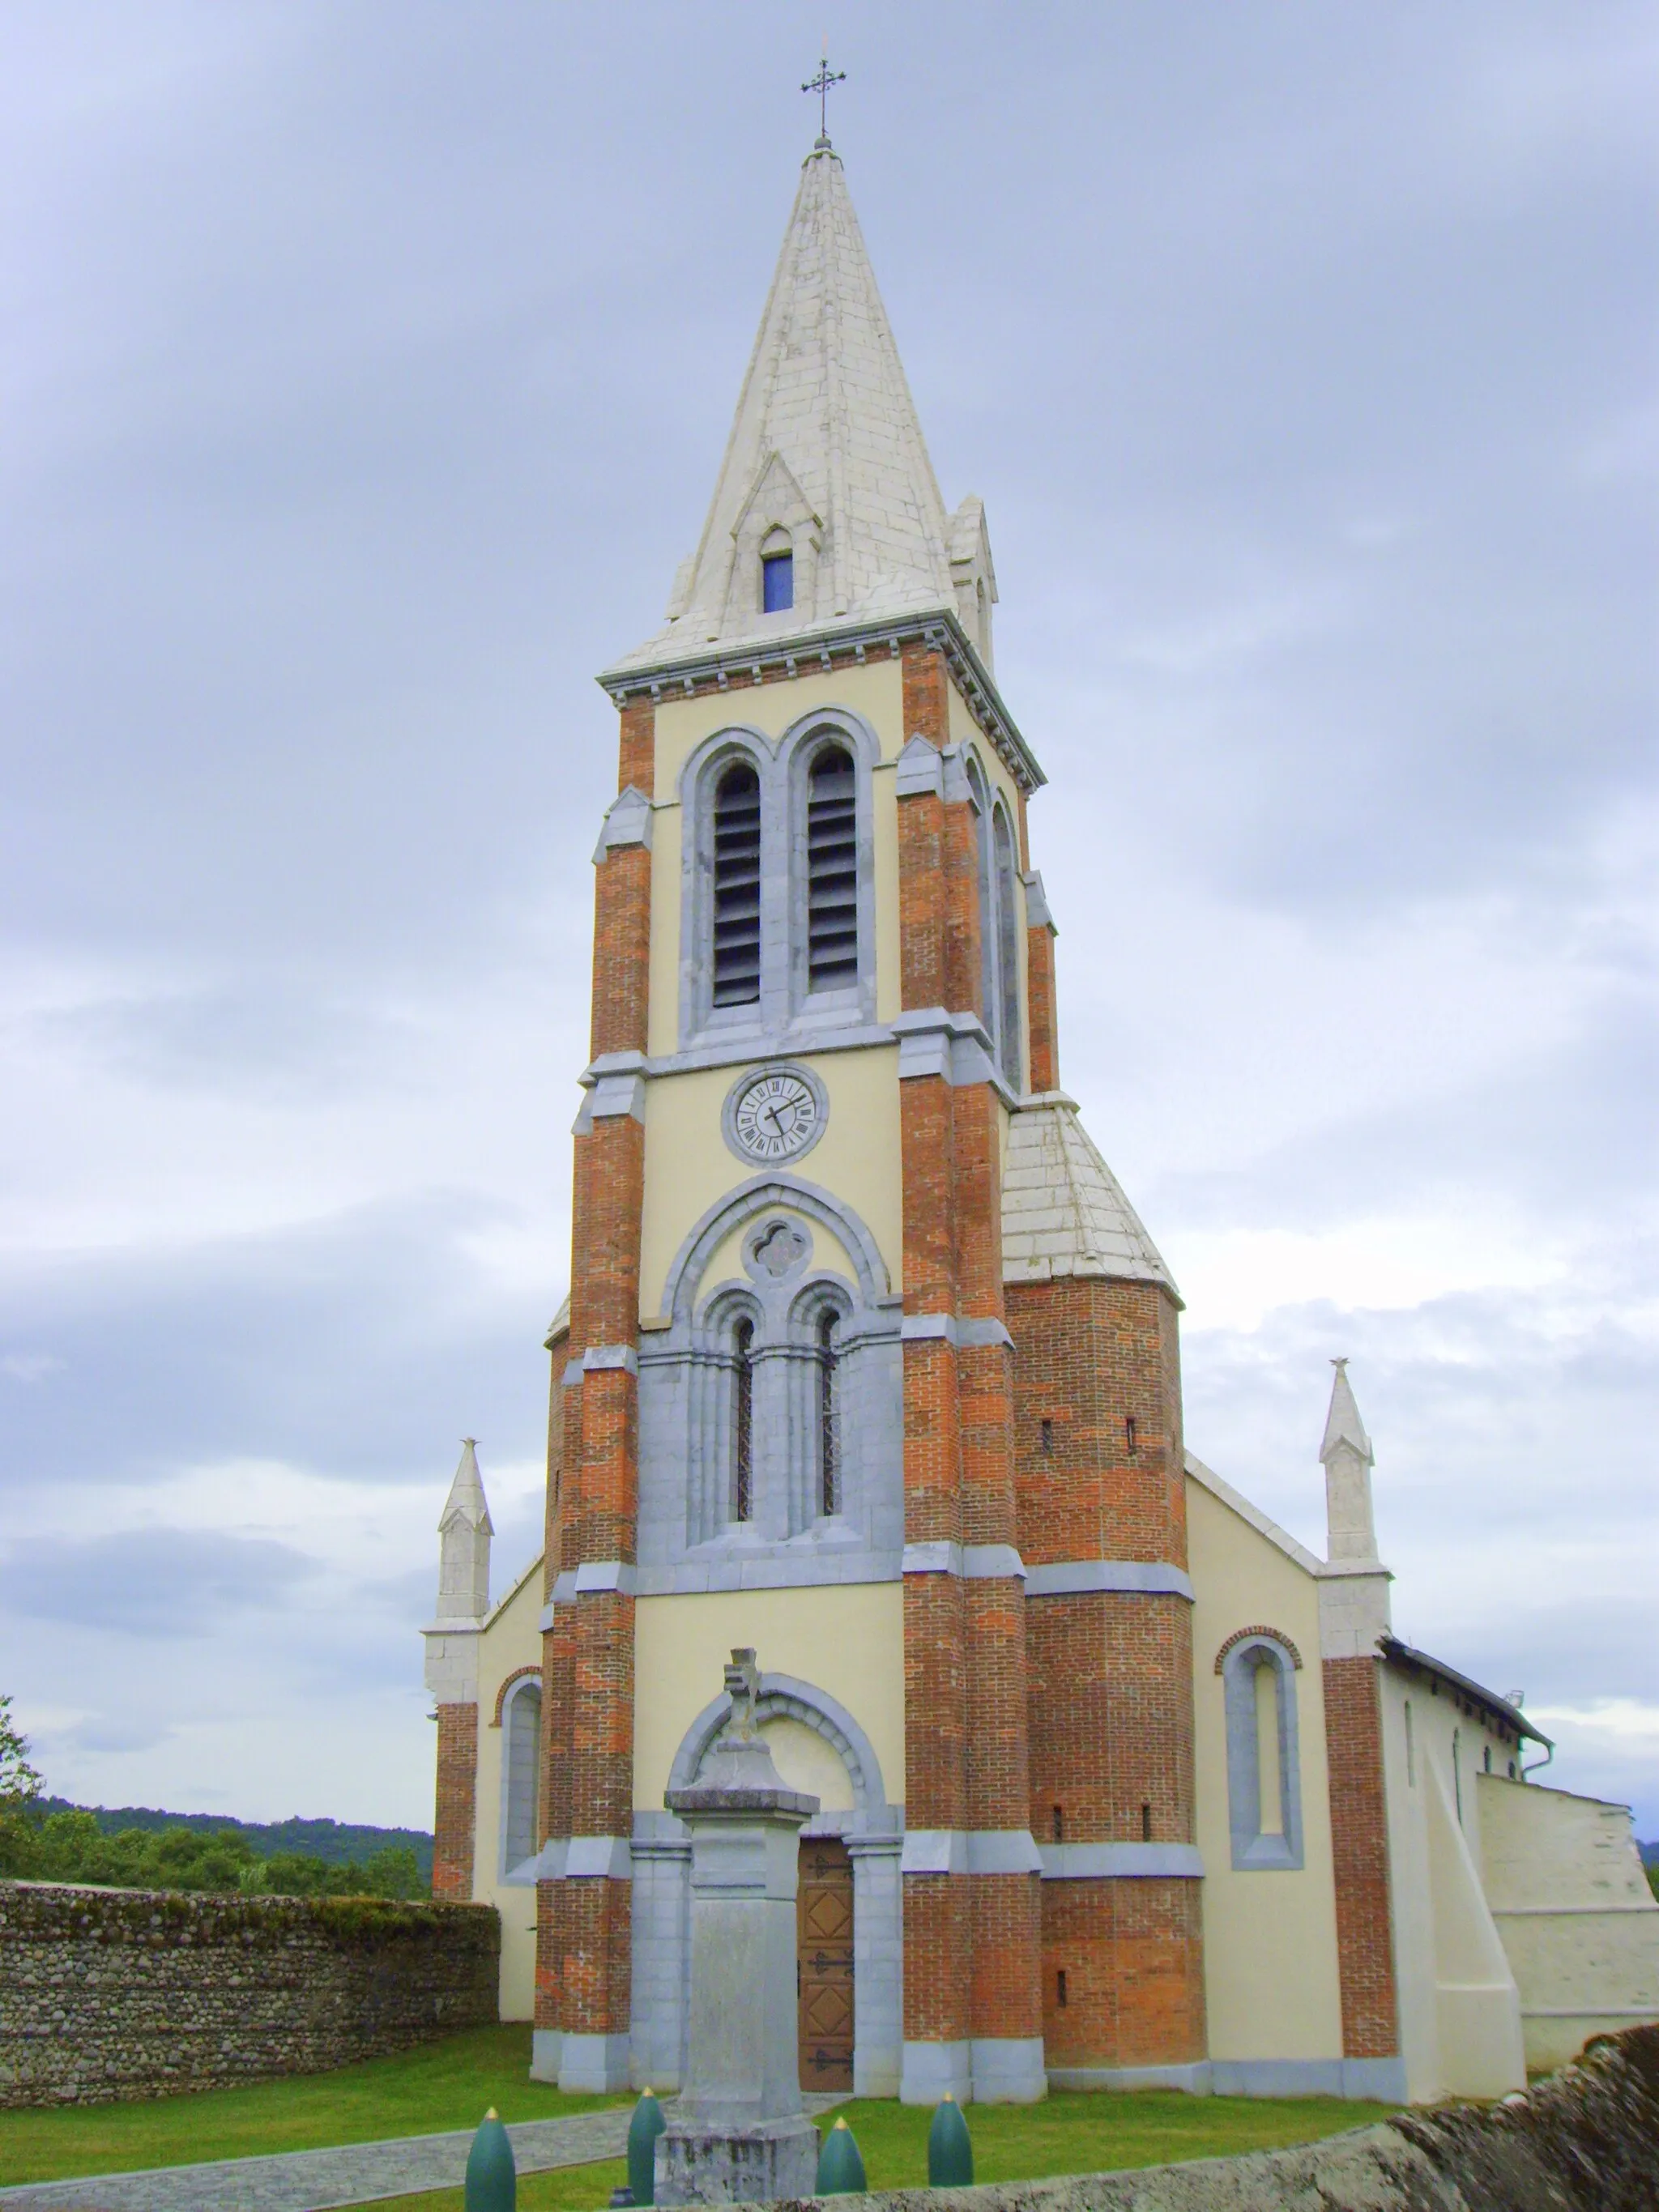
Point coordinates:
[(830, 1499), (777, 582), (832, 872), (736, 888), (743, 1421)]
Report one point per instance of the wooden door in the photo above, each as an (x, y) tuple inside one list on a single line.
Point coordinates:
[(823, 1964)]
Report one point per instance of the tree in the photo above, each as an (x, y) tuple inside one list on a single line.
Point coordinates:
[(19, 1781)]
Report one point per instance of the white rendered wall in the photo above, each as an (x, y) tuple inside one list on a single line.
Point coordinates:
[(1459, 2008), (1578, 1923)]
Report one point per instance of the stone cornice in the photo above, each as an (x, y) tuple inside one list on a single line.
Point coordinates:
[(711, 665)]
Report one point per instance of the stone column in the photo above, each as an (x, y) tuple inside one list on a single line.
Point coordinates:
[(739, 2134)]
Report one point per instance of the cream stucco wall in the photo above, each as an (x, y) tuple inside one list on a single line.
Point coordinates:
[(689, 1167), (1270, 1959), (511, 1639), (845, 1640)]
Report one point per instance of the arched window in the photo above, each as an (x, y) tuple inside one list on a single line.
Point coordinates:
[(832, 873), (1264, 1789), (1007, 936), (829, 1419), (743, 1421), (737, 887), (522, 1726)]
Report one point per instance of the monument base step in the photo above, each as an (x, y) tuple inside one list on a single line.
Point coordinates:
[(737, 2166)]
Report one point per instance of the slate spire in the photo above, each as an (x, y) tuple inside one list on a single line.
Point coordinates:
[(827, 460)]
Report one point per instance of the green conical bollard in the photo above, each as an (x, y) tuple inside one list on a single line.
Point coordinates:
[(841, 2164), (492, 2179), (950, 2148), (647, 2124)]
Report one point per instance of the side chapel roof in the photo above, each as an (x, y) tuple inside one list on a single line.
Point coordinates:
[(1063, 1210), (825, 429)]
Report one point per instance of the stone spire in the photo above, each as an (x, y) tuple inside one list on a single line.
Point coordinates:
[(827, 461), (465, 1529), (1350, 1531)]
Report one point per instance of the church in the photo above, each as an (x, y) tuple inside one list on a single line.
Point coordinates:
[(869, 1367)]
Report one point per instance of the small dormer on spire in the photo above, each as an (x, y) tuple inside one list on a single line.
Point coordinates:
[(1347, 1456), (464, 1530)]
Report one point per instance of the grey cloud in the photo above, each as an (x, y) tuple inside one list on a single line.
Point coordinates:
[(355, 1346), (151, 1583)]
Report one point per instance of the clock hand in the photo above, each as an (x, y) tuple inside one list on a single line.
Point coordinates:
[(772, 1116)]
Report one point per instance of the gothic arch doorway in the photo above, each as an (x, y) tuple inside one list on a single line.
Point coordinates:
[(824, 1963)]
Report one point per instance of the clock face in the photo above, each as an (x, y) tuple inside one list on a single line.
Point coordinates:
[(775, 1116)]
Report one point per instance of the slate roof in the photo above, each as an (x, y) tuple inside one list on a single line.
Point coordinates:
[(1063, 1210)]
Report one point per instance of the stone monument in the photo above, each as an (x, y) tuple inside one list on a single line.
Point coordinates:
[(738, 2132)]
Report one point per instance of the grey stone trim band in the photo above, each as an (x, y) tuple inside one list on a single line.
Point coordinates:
[(1368, 2081), (920, 770), (1194, 2078), (957, 1047), (974, 1562), (1007, 2070), (582, 1858), (614, 1097), (1076, 1577), (593, 1577), (611, 1858), (969, 1851), (1037, 915), (1121, 1861), (627, 822), (971, 1330), (597, 1575), (599, 1357)]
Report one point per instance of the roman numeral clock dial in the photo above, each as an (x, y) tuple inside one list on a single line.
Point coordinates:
[(776, 1115)]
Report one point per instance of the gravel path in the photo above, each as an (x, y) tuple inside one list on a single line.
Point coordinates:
[(319, 2180)]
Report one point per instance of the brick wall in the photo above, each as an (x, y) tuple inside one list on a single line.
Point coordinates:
[(134, 1993), (455, 1814), (1360, 1851), (1099, 1473)]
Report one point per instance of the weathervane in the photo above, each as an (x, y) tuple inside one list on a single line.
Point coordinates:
[(821, 84)]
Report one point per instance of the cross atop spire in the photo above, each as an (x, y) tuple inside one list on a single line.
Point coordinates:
[(821, 84)]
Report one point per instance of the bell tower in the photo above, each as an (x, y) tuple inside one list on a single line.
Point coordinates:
[(816, 1362)]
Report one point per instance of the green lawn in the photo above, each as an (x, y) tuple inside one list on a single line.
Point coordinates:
[(450, 2084), (1069, 2134)]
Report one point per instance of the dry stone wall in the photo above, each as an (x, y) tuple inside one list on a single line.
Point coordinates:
[(107, 1994)]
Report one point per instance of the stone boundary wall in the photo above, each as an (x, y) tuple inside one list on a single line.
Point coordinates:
[(115, 1993), (1586, 2139)]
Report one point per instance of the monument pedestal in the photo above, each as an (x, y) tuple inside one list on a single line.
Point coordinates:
[(738, 2133), (737, 2166)]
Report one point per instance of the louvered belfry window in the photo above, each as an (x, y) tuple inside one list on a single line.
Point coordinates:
[(832, 873), (736, 888)]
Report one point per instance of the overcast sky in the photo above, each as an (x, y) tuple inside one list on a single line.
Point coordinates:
[(364, 375)]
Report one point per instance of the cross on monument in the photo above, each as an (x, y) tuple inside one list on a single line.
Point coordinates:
[(742, 1683), (821, 84)]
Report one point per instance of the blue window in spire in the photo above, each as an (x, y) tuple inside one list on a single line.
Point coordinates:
[(777, 582)]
